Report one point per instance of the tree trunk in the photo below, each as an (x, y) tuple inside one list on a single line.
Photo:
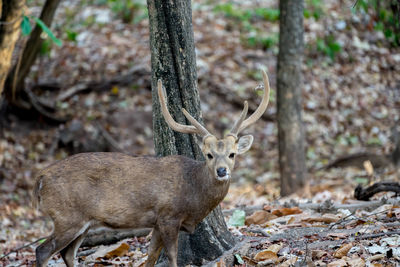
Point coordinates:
[(29, 55), (290, 126), (173, 61), (10, 27)]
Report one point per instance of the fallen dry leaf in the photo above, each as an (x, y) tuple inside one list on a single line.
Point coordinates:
[(317, 254), (266, 255), (286, 211), (356, 262), (343, 250), (337, 263), (338, 235), (120, 251), (289, 262), (259, 217), (368, 167), (326, 218), (376, 257)]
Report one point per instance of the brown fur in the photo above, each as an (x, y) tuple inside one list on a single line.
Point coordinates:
[(115, 190)]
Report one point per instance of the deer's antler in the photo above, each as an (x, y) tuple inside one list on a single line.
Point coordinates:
[(195, 128), (241, 124)]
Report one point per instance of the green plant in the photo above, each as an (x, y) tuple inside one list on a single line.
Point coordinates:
[(263, 41), (232, 11), (128, 10), (251, 35), (313, 9), (328, 46), (27, 29), (385, 16), (229, 10), (268, 14)]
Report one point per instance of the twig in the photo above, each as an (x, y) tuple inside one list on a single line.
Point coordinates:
[(109, 138), (305, 256), (24, 246), (355, 4), (341, 220), (367, 236), (37, 106)]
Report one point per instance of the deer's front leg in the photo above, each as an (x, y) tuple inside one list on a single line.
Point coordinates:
[(169, 234)]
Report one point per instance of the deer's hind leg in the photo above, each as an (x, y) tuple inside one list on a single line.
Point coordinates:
[(60, 239), (69, 252)]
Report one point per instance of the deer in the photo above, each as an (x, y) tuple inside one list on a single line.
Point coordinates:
[(168, 194)]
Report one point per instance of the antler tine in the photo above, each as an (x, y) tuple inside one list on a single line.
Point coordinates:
[(235, 129), (167, 116), (261, 108), (202, 130)]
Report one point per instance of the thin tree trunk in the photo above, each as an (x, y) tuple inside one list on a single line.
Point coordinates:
[(10, 27), (289, 83), (29, 54), (173, 61)]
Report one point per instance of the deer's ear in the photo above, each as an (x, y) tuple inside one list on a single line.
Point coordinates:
[(244, 143)]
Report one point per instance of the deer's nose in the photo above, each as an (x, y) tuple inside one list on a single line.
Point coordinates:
[(221, 172)]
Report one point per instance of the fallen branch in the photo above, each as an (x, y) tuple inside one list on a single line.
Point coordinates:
[(366, 193), (327, 206), (125, 79), (24, 246), (357, 160), (38, 107), (368, 236)]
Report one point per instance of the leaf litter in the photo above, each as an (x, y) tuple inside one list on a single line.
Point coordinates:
[(350, 106)]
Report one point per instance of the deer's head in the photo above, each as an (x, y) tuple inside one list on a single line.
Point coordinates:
[(220, 154)]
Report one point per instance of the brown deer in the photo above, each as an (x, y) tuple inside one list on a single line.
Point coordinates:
[(167, 194)]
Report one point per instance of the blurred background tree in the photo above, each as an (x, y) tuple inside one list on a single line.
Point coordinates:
[(291, 140)]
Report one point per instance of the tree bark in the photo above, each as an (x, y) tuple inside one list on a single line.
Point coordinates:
[(290, 126), (10, 27), (29, 55), (173, 61)]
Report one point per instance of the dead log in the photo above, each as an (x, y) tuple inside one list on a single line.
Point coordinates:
[(366, 193), (107, 236), (357, 160)]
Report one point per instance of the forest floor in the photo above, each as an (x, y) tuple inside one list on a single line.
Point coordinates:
[(100, 80)]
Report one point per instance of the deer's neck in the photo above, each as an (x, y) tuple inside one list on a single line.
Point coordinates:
[(212, 191)]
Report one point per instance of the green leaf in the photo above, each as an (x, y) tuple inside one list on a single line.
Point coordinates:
[(71, 35), (239, 259), (361, 180), (374, 141), (238, 218), (26, 26), (42, 25)]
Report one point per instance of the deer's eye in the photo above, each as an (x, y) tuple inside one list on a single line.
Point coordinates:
[(232, 155), (209, 156)]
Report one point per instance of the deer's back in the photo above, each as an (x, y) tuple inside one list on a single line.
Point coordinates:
[(112, 187)]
